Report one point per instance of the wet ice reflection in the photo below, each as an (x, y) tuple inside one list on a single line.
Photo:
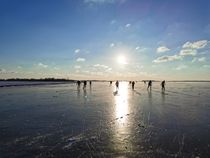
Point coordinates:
[(121, 102), (63, 120), (122, 129)]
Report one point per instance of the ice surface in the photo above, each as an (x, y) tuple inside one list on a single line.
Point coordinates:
[(65, 121)]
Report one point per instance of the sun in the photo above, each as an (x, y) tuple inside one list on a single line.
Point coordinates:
[(121, 60)]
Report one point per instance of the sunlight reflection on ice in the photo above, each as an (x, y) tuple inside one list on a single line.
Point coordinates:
[(122, 130), (121, 100)]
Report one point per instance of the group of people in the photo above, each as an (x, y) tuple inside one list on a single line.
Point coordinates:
[(149, 86), (84, 84)]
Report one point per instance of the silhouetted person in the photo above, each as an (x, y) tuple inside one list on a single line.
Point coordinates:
[(117, 84), (133, 84), (149, 85), (85, 84), (78, 83), (90, 83), (163, 85), (129, 82), (110, 83)]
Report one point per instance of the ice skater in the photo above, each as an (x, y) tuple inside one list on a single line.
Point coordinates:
[(85, 84), (133, 84), (78, 84), (163, 85), (110, 83), (117, 85), (149, 85), (90, 83)]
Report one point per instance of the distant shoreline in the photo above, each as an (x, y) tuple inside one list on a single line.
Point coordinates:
[(73, 80)]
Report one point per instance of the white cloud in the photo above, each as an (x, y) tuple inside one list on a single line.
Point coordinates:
[(137, 48), (181, 67), (112, 45), (101, 66), (76, 50), (206, 66), (195, 45), (109, 69), (42, 65), (2, 70), (80, 59), (162, 49), (19, 67), (56, 68), (77, 66), (188, 52), (127, 25), (167, 58), (86, 71), (141, 49), (202, 59)]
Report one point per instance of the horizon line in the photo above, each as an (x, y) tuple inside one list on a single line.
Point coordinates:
[(67, 79)]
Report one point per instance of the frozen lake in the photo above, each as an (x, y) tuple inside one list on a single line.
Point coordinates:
[(62, 120)]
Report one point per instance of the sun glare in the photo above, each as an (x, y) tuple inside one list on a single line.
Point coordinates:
[(121, 59)]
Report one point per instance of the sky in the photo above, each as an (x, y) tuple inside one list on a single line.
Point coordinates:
[(105, 39)]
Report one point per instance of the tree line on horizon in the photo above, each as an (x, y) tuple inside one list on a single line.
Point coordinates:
[(34, 79), (72, 80)]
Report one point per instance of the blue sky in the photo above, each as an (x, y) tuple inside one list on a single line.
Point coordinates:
[(105, 39)]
